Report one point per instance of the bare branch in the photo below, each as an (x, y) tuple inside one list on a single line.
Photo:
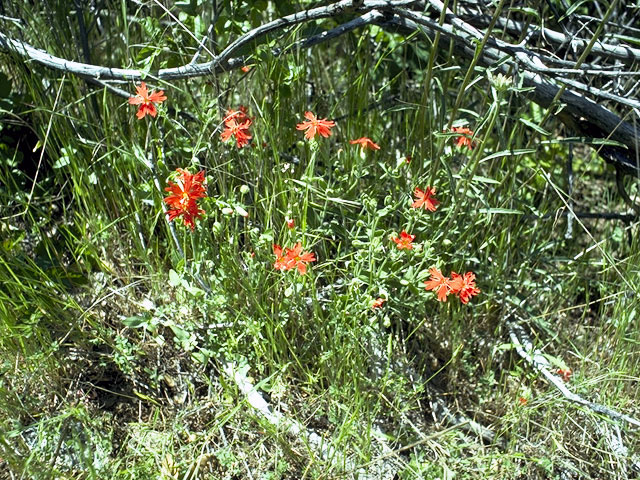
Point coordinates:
[(580, 113), (222, 63), (625, 53), (526, 350), (583, 115)]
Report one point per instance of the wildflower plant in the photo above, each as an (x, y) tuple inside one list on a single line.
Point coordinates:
[(314, 126), (304, 254)]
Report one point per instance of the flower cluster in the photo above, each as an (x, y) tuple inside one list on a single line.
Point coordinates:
[(189, 188), (146, 101), (236, 124), (377, 303), (292, 258), (365, 143), (462, 286), (184, 195), (565, 373)]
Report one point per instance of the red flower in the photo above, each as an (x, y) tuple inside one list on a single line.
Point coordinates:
[(377, 303), (315, 126), (281, 261), (294, 258), (408, 158), (425, 198), (146, 101), (465, 137), (239, 130), (404, 240), (291, 222), (245, 68), (565, 373), (239, 115), (464, 286), (184, 195), (365, 143), (522, 401), (438, 283)]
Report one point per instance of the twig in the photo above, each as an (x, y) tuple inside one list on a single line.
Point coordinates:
[(569, 171), (580, 113), (625, 217), (201, 45), (621, 52), (529, 353), (220, 63), (292, 427)]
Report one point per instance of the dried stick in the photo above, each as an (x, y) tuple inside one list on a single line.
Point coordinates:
[(528, 352), (580, 113), (294, 428), (220, 63)]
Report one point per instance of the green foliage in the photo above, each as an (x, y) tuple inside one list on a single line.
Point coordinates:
[(103, 319)]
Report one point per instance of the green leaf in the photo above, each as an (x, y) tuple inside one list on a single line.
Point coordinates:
[(480, 179), (586, 140), (573, 8), (180, 333), (526, 11), (195, 291), (175, 280), (62, 162), (507, 211), (509, 153), (535, 126), (135, 322)]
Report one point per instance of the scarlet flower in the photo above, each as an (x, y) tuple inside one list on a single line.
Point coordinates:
[(315, 126), (365, 143), (296, 258), (239, 115), (522, 401), (184, 195), (239, 130), (291, 222), (438, 283), (465, 137), (565, 373), (281, 261), (245, 68), (464, 286), (404, 240), (408, 158), (425, 198), (146, 101), (377, 303)]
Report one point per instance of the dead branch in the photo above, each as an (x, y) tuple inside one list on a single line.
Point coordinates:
[(533, 69), (530, 354)]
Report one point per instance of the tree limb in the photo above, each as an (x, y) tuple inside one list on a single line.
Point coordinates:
[(526, 350), (581, 114)]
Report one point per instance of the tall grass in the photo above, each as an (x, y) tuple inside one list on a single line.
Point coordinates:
[(112, 339)]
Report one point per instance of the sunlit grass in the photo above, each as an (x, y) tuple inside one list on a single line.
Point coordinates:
[(113, 336)]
